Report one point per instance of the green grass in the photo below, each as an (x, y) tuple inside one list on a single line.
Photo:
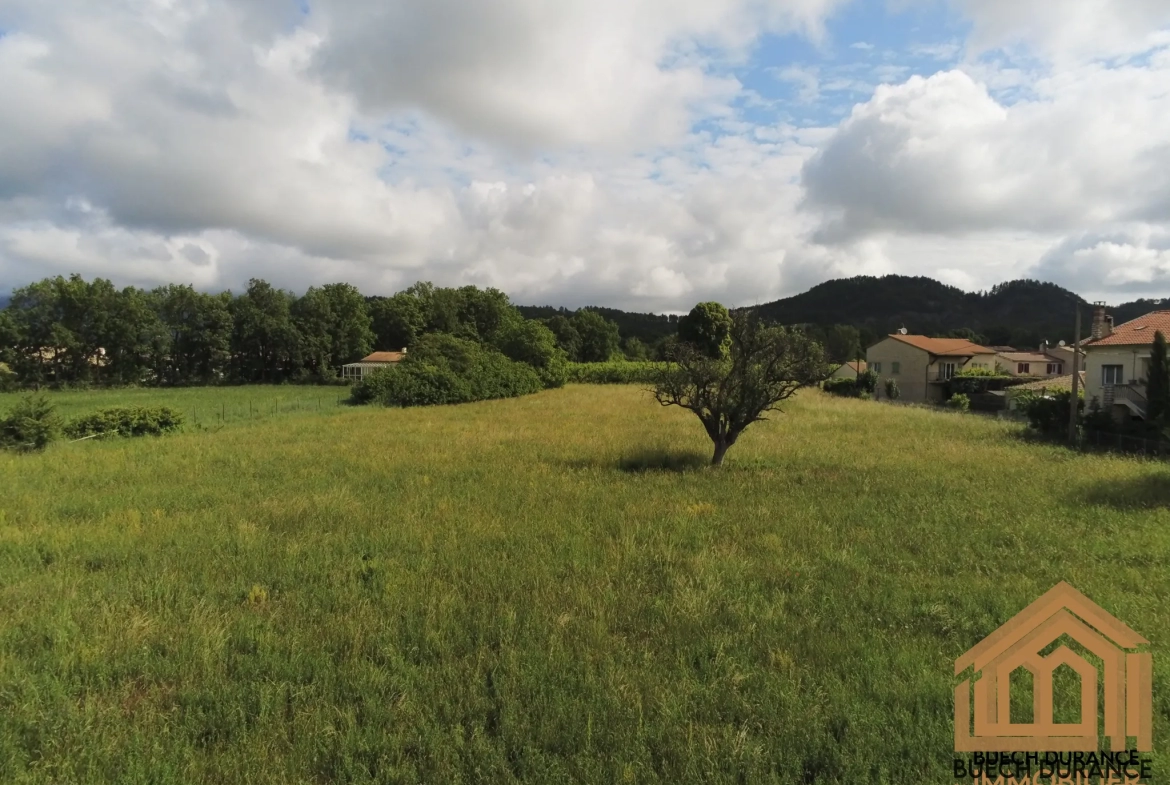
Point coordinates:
[(544, 589), (206, 406)]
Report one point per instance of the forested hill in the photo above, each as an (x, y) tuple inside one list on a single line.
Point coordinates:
[(1019, 313), (646, 327)]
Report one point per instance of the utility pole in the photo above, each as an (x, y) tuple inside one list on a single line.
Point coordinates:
[(1076, 381)]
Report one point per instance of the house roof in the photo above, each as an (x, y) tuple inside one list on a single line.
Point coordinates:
[(1138, 332), (955, 347), (1055, 384), (383, 357), (1026, 357), (859, 367)]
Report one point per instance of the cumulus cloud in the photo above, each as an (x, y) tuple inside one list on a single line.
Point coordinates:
[(1127, 261), (564, 152), (630, 73), (941, 155)]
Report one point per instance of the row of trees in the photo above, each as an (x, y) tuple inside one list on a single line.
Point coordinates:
[(71, 331)]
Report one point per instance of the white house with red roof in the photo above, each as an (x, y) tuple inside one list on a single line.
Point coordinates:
[(1117, 361)]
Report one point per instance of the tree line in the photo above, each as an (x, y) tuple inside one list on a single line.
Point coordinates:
[(70, 331)]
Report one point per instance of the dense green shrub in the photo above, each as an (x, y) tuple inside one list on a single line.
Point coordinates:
[(443, 369), (528, 341), (616, 372), (126, 421), (8, 379), (867, 381), (892, 391), (30, 425), (846, 388), (1049, 413), (959, 402)]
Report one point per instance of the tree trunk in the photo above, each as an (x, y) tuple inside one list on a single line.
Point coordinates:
[(721, 446)]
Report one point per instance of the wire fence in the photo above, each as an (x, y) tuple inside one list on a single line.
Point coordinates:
[(256, 409), (1106, 441)]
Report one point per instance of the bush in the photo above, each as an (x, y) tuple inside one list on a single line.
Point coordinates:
[(959, 402), (126, 421), (616, 372), (530, 342), (443, 369), (892, 391), (867, 381), (846, 388), (30, 425), (1049, 414), (8, 380)]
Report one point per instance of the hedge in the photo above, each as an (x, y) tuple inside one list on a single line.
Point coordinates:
[(126, 421), (616, 372)]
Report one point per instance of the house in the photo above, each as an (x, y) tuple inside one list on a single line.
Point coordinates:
[(370, 363), (1117, 361), (1030, 364), (850, 370), (922, 366)]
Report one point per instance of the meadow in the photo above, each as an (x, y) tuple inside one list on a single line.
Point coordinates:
[(545, 589), (205, 406)]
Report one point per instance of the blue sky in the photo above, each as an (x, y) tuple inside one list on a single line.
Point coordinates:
[(645, 154)]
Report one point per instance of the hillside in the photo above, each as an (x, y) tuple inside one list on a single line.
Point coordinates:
[(1022, 312)]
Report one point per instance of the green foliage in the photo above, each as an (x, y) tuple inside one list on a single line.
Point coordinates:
[(30, 425), (959, 402), (892, 391), (8, 379), (635, 350), (528, 341), (1158, 383), (443, 369), (765, 366), (867, 381), (976, 373), (847, 388), (708, 328), (600, 339), (616, 372), (126, 421), (1049, 413), (568, 339)]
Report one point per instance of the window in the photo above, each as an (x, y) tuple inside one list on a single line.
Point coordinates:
[(895, 368), (1111, 374), (946, 370), (877, 368), (1026, 368), (1055, 369)]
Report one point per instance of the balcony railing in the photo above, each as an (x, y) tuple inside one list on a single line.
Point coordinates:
[(1133, 394)]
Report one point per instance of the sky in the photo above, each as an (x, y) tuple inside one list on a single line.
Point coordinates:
[(639, 154)]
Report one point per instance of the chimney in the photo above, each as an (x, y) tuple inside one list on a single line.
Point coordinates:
[(1102, 322)]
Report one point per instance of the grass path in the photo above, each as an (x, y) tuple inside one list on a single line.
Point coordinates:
[(512, 591)]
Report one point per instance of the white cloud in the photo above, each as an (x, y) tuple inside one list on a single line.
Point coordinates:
[(1127, 261), (940, 155), (550, 149)]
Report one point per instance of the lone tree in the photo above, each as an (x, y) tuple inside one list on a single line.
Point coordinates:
[(763, 366), (1158, 381)]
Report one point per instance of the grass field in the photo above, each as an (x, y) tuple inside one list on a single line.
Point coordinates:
[(546, 589), (205, 406)]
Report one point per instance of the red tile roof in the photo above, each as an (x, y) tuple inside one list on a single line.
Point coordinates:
[(858, 367), (383, 357), (1139, 332), (951, 347)]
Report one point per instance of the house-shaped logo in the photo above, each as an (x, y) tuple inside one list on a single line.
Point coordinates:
[(1127, 676)]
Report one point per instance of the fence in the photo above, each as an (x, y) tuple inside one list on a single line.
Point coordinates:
[(1121, 442), (256, 409)]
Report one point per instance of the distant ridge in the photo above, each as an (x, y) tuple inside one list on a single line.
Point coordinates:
[(1017, 313)]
